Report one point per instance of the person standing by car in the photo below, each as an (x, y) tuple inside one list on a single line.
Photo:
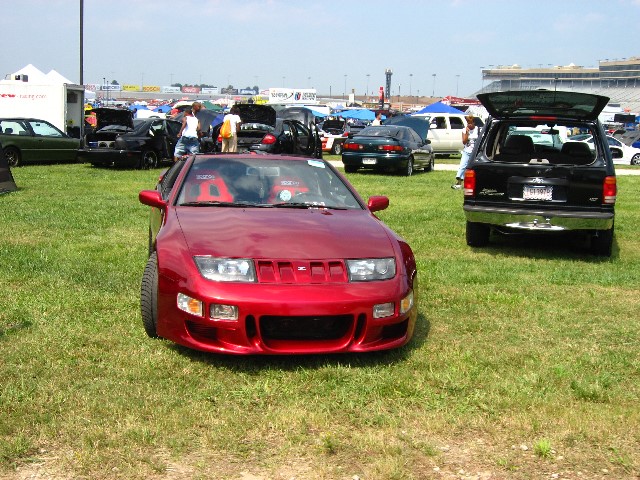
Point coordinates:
[(377, 120), (469, 137), (187, 136), (230, 144)]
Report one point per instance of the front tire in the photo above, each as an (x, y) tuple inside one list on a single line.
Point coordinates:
[(148, 159), (13, 156), (149, 297), (635, 160), (478, 234)]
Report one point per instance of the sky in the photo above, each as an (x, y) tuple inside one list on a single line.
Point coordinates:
[(432, 46)]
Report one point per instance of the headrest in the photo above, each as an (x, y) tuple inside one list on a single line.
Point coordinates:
[(517, 144), (576, 149)]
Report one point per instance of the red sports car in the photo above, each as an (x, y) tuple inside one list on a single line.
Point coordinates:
[(269, 254)]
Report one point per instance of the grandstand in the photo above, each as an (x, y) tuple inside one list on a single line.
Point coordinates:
[(617, 79)]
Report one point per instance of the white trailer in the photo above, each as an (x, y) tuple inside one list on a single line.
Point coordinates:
[(60, 104)]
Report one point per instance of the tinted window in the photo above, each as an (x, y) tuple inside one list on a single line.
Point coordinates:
[(377, 132), (457, 123), (12, 127)]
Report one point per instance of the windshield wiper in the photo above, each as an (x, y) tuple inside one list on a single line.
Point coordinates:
[(214, 203), (304, 205)]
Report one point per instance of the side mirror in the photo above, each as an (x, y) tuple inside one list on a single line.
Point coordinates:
[(152, 198), (377, 203)]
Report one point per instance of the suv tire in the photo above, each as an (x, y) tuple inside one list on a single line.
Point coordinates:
[(478, 234), (602, 243)]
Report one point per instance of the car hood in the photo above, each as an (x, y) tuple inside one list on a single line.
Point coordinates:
[(283, 233), (513, 104), (419, 124), (113, 116), (253, 113)]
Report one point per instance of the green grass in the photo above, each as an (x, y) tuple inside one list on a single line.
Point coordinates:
[(525, 343)]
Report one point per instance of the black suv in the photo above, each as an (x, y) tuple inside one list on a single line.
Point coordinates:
[(526, 176)]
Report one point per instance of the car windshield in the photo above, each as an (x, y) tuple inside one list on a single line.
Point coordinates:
[(264, 182)]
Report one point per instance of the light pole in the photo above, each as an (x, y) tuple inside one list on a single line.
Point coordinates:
[(283, 77), (457, 80), (433, 92), (410, 81), (399, 85), (309, 79), (344, 92), (171, 82), (366, 93), (142, 82)]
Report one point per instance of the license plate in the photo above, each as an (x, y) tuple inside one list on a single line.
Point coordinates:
[(369, 161), (537, 193)]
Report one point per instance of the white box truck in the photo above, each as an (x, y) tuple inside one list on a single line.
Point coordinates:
[(60, 104)]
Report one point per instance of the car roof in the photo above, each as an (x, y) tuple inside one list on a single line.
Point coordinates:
[(547, 103)]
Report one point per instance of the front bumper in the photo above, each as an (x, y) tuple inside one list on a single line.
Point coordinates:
[(287, 319), (539, 220)]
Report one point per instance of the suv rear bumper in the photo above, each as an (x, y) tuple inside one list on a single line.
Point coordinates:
[(539, 220)]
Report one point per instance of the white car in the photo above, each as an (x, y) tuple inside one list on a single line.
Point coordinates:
[(622, 154)]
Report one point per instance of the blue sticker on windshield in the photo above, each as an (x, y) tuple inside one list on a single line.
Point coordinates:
[(315, 163)]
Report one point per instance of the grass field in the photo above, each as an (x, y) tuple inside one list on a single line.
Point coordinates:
[(525, 363)]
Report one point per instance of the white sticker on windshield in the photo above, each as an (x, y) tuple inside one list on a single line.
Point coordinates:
[(315, 163)]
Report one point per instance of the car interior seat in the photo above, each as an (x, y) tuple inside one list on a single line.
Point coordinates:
[(8, 131), (207, 186), (579, 153), (285, 187), (517, 149)]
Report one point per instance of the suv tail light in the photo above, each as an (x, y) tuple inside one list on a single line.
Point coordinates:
[(268, 139), (609, 190), (469, 183)]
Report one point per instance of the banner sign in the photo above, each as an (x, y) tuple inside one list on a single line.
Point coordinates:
[(170, 89), (210, 90), (290, 95), (190, 89)]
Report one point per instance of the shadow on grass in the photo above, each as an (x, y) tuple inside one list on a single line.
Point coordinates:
[(562, 245), (257, 363)]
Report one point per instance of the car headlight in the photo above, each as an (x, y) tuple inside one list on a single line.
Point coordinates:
[(369, 269), (226, 269)]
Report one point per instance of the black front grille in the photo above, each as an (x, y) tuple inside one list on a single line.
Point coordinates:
[(305, 328)]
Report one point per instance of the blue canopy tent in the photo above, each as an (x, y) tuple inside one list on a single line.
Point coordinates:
[(438, 107), (357, 114), (163, 108)]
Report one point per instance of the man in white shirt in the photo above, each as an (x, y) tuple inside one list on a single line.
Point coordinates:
[(230, 144)]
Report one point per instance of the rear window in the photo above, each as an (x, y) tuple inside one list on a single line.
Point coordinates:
[(514, 142)]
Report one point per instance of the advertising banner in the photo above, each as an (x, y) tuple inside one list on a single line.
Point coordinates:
[(210, 90), (150, 88), (294, 96), (110, 88), (130, 88), (190, 89), (170, 89)]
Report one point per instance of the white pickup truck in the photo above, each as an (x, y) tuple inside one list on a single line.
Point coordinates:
[(445, 132)]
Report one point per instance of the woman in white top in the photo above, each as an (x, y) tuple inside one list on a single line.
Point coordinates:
[(469, 137), (187, 136)]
